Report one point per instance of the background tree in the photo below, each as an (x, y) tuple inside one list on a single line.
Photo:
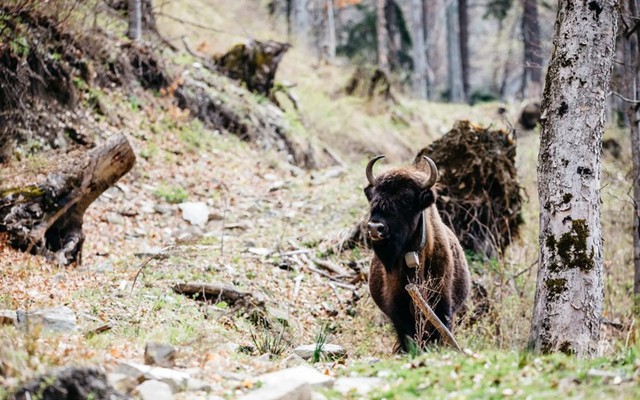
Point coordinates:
[(381, 32), (455, 88), (532, 73), (569, 290), (419, 80), (463, 32), (135, 20), (631, 87)]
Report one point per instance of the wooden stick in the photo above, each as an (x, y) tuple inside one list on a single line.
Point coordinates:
[(431, 316)]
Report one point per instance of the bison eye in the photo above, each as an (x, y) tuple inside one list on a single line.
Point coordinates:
[(368, 191)]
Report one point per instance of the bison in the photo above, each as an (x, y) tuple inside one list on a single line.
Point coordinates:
[(409, 238)]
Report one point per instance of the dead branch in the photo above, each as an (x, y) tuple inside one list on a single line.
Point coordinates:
[(446, 334), (219, 292)]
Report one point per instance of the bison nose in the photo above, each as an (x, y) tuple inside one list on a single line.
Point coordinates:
[(377, 230)]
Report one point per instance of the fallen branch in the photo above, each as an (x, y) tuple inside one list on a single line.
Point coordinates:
[(219, 291), (329, 266), (445, 333)]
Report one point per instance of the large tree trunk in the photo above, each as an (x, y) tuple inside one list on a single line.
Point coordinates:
[(47, 219), (300, 21), (569, 290), (532, 74), (453, 54), (381, 31), (419, 80), (463, 38), (632, 79)]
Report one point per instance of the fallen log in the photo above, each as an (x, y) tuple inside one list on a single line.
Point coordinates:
[(47, 219), (218, 292)]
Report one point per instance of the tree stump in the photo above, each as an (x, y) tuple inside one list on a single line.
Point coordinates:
[(46, 219)]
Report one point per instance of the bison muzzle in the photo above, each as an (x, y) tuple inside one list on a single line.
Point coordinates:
[(412, 244)]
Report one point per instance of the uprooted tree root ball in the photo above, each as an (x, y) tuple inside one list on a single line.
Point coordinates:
[(479, 194)]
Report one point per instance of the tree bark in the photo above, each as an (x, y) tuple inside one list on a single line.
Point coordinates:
[(463, 38), (135, 19), (47, 219), (382, 36), (632, 79), (532, 74), (419, 76), (569, 290), (331, 30), (300, 21)]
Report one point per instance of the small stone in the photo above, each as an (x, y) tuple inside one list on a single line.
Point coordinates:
[(8, 317), (358, 385), (115, 219), (264, 357), (328, 350), (162, 208), (160, 354), (284, 390), (196, 213), (301, 373), (260, 251), (57, 319), (123, 383), (154, 390)]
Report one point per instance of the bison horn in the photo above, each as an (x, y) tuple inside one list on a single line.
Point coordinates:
[(369, 170), (433, 172)]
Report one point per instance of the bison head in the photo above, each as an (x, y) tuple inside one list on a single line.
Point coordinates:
[(396, 200)]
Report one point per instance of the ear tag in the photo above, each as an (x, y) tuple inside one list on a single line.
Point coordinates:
[(412, 260)]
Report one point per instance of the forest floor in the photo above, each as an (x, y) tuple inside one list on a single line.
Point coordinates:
[(269, 222)]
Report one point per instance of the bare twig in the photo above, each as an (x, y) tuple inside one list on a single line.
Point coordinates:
[(446, 334), (147, 261)]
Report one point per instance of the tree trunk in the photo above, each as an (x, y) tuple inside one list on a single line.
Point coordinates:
[(453, 54), (47, 219), (419, 81), (463, 24), (532, 74), (632, 92), (135, 19), (300, 21), (569, 290), (381, 31), (331, 30)]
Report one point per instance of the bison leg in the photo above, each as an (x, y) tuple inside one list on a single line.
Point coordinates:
[(404, 323), (443, 311)]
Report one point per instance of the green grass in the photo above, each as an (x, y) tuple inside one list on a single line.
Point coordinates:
[(491, 374)]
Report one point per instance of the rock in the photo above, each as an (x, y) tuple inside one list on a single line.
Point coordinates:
[(176, 379), (359, 385), (279, 314), (8, 317), (154, 390), (77, 383), (196, 213), (305, 374), (260, 251), (292, 360), (284, 390), (328, 350), (160, 354), (122, 382), (57, 319), (162, 208), (197, 385)]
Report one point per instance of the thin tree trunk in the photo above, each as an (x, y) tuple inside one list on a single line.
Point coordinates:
[(569, 290), (632, 79), (419, 80), (135, 19), (300, 21), (453, 54), (381, 31), (332, 30), (532, 74), (463, 25)]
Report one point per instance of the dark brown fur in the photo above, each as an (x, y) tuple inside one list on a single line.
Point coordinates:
[(397, 199)]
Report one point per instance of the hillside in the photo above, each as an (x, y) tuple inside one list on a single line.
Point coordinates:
[(274, 220)]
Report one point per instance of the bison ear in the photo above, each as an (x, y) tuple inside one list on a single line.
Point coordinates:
[(427, 197), (368, 191)]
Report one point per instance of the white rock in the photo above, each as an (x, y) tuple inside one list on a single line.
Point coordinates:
[(358, 385), (196, 213), (154, 390), (123, 383), (176, 379), (328, 349), (8, 317), (57, 319), (285, 390), (300, 373)]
